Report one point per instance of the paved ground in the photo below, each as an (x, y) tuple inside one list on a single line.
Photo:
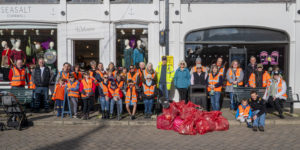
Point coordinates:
[(146, 137)]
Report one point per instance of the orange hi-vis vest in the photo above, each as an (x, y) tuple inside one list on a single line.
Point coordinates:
[(279, 88), (194, 69), (221, 71), (65, 76), (87, 87), (78, 76), (252, 80), (100, 73), (59, 92), (114, 92), (266, 79), (141, 77), (114, 73), (244, 112), (148, 90), (18, 78), (146, 74), (131, 95), (91, 73), (120, 84), (31, 85), (213, 81), (104, 88), (133, 78), (237, 76), (73, 93)]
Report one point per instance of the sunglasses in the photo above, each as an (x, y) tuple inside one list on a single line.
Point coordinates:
[(182, 64), (198, 68), (149, 78), (105, 77), (131, 68)]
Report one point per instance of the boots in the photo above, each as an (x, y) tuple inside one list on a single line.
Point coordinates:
[(103, 114), (106, 115), (87, 116), (84, 117)]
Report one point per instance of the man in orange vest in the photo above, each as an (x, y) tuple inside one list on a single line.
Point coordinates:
[(148, 94), (116, 98), (276, 93), (221, 67), (104, 96), (133, 75), (259, 78), (198, 63), (66, 71), (141, 70), (131, 98), (17, 76), (73, 93)]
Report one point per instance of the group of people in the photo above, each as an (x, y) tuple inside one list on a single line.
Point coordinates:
[(114, 85)]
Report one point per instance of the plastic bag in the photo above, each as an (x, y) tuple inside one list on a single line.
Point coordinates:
[(177, 123), (171, 113), (163, 123), (179, 105), (188, 127), (222, 124), (202, 126)]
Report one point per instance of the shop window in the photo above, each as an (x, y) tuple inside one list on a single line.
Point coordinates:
[(131, 1), (29, 45), (268, 46), (84, 1), (85, 52), (131, 46), (29, 1)]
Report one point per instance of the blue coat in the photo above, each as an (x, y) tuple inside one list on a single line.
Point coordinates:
[(182, 78), (138, 56)]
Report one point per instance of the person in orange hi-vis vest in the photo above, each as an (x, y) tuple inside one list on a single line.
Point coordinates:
[(276, 93), (141, 73), (198, 62), (77, 73), (244, 113), (113, 69), (131, 98), (116, 98), (17, 76), (65, 73), (149, 70), (31, 85), (73, 93), (234, 76), (149, 91), (221, 67), (59, 95), (104, 96), (214, 87), (87, 89), (133, 75), (259, 78)]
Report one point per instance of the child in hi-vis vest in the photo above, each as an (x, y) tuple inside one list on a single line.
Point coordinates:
[(244, 113), (73, 93), (59, 95)]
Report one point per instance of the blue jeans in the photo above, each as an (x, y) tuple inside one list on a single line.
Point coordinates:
[(259, 121), (148, 105), (44, 92), (232, 101), (119, 106), (17, 87), (164, 89), (59, 106), (104, 103), (215, 100)]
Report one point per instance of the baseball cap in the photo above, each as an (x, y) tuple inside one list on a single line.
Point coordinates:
[(276, 73), (198, 59), (260, 66), (164, 58)]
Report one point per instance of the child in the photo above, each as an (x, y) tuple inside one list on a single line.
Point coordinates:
[(77, 73), (59, 95), (104, 96), (131, 98), (87, 88), (244, 113), (73, 93), (116, 97), (148, 94), (31, 85)]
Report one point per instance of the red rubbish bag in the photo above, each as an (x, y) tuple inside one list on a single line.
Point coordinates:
[(203, 126), (171, 112), (222, 124), (163, 123), (179, 105), (177, 123), (188, 127)]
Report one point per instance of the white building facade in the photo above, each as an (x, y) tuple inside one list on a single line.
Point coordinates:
[(103, 21)]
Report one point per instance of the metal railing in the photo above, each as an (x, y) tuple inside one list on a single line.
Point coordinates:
[(29, 1)]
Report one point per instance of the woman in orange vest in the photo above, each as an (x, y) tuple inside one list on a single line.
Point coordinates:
[(131, 98), (77, 73), (124, 74), (73, 93), (133, 75), (234, 76), (104, 96), (275, 93), (112, 68), (148, 95), (120, 83), (17, 75), (59, 95), (149, 70), (214, 87), (87, 89), (116, 98)]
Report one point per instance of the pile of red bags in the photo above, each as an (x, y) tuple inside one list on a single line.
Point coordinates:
[(186, 119)]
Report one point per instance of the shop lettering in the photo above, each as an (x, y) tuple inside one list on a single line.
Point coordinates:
[(84, 29), (15, 11)]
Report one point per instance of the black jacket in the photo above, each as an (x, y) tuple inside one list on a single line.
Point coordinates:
[(37, 79), (258, 104), (144, 96)]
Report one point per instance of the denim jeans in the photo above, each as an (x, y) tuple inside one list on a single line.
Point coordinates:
[(59, 106), (148, 106), (41, 91), (104, 103), (232, 101), (119, 106), (17, 87), (215, 100), (74, 102), (259, 121), (164, 89)]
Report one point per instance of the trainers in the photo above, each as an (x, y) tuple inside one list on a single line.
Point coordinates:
[(119, 117), (254, 129), (249, 126), (75, 116), (261, 128), (281, 116), (133, 117)]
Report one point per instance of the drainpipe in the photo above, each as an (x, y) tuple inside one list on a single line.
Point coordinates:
[(167, 26)]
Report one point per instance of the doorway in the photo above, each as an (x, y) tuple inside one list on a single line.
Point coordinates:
[(85, 52)]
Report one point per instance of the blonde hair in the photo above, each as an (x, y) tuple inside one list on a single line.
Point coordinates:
[(148, 64), (182, 61), (93, 62), (234, 62)]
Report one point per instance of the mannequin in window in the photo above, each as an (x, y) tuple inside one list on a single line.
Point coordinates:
[(127, 54), (5, 61), (138, 54), (17, 53), (39, 50), (50, 56)]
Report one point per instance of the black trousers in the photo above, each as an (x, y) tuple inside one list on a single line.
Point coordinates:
[(183, 93), (87, 104), (277, 104)]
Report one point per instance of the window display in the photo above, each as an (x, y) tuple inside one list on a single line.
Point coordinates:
[(28, 45)]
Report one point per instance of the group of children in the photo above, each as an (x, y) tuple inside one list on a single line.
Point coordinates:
[(109, 87)]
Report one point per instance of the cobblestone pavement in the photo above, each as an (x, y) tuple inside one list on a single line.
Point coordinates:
[(146, 137)]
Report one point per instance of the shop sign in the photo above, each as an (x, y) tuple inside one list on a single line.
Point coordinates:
[(15, 11), (80, 28)]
